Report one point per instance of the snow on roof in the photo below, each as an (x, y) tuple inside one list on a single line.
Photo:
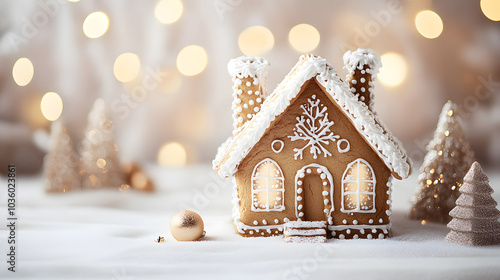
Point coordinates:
[(369, 127)]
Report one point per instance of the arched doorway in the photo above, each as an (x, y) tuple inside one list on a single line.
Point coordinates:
[(314, 194)]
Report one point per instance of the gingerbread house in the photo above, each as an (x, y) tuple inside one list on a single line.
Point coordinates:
[(313, 150)]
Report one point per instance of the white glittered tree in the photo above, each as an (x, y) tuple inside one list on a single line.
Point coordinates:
[(99, 152), (447, 160), (61, 164), (475, 218), (313, 127)]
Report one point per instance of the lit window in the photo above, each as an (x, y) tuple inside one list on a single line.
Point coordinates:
[(267, 187), (358, 187)]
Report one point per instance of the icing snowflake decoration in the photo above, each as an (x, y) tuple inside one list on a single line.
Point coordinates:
[(314, 127)]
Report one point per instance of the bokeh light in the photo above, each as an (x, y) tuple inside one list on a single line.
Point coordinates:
[(168, 11), (172, 154), (304, 37), (394, 69), (126, 67), (255, 41), (491, 9), (192, 60), (95, 24), (22, 72), (51, 106), (429, 24)]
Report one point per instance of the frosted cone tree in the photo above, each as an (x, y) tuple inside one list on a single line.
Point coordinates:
[(100, 162), (447, 160), (61, 164), (475, 218)]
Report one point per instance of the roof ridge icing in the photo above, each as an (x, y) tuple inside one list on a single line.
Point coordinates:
[(233, 151)]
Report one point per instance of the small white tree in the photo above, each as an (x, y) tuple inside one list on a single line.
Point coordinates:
[(314, 128), (61, 164), (100, 163), (475, 218)]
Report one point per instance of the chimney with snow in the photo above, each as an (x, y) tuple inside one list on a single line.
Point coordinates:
[(363, 66), (248, 75)]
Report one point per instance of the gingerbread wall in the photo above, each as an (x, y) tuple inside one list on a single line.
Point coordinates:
[(336, 164)]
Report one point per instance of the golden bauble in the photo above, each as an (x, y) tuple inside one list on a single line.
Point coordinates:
[(186, 226)]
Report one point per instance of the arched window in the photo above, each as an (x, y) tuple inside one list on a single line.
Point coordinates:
[(358, 187), (268, 187)]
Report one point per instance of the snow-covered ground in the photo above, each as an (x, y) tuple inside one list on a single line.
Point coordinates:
[(108, 234)]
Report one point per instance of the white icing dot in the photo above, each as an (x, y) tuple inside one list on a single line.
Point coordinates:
[(355, 236), (238, 81), (381, 236), (300, 207), (268, 230), (286, 220), (256, 109), (255, 222), (369, 236), (251, 232), (257, 92), (341, 236), (299, 183), (363, 71), (319, 170), (355, 222), (276, 221), (370, 90), (301, 214), (248, 84), (386, 231), (388, 202), (299, 198), (326, 201), (362, 231), (264, 222), (301, 175), (308, 171), (239, 91), (325, 183), (354, 82), (388, 192), (249, 116), (323, 176), (238, 101), (334, 233), (353, 90), (249, 92), (325, 193), (362, 80), (387, 212), (363, 89), (245, 106), (250, 102), (344, 221), (299, 190), (259, 100), (240, 119), (374, 230), (325, 211), (380, 220), (262, 233), (239, 109), (348, 231), (370, 221)]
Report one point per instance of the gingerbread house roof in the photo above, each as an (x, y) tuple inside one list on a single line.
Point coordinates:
[(235, 149)]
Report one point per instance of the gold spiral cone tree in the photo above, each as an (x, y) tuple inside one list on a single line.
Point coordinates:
[(448, 159)]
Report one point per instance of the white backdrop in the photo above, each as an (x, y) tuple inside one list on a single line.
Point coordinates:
[(195, 111)]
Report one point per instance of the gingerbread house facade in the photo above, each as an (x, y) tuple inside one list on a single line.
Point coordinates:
[(312, 151)]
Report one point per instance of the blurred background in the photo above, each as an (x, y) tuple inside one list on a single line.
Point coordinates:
[(160, 65)]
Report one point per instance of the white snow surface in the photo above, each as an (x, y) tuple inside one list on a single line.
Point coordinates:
[(108, 234)]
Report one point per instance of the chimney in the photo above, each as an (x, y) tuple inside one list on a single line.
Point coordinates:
[(363, 66), (248, 75)]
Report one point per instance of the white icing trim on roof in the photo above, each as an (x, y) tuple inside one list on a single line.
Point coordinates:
[(361, 57), (363, 119)]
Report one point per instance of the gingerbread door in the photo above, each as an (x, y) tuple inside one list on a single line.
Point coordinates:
[(314, 193)]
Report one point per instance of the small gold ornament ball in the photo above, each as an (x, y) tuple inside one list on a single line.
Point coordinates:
[(186, 226)]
